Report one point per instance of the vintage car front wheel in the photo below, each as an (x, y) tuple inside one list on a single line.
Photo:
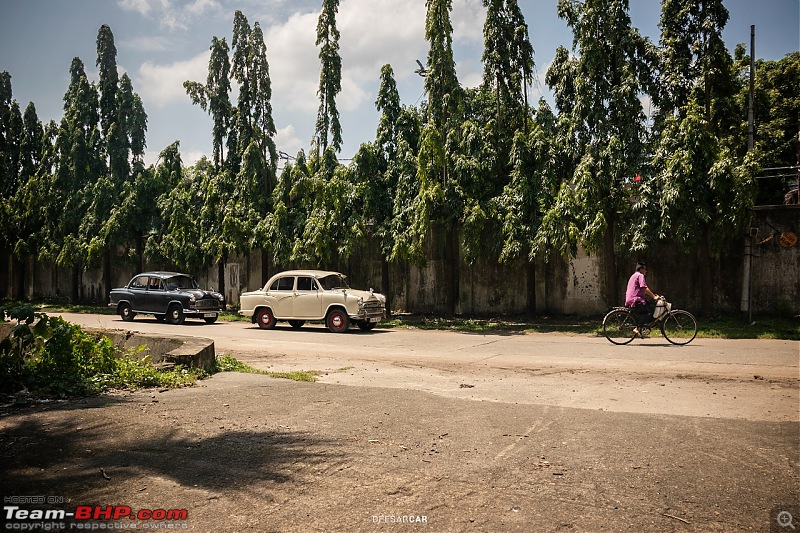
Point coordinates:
[(337, 321), (297, 324), (126, 312), (265, 319)]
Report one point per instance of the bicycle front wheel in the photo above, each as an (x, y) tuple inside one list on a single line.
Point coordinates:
[(679, 327), (618, 326)]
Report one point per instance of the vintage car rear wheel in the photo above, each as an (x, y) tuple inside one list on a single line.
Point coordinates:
[(126, 312), (175, 315), (297, 324), (337, 321), (265, 318)]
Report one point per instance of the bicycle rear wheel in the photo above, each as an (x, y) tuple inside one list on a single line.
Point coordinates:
[(679, 327), (618, 326)]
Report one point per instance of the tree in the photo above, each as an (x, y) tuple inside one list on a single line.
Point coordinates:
[(700, 184), (371, 168), (439, 198), (777, 114), (330, 79), (602, 128), (214, 97), (78, 163), (507, 64), (123, 124)]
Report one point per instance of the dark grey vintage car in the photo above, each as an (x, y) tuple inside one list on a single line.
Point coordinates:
[(168, 296)]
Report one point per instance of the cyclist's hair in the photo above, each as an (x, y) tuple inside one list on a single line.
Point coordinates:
[(640, 266)]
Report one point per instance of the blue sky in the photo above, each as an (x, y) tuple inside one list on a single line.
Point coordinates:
[(162, 43)]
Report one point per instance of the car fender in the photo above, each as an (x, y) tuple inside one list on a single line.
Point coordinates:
[(258, 308), (339, 305)]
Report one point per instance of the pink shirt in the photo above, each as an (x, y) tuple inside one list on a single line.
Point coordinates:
[(635, 292)]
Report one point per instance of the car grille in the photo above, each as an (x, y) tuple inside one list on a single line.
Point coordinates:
[(207, 304), (372, 305)]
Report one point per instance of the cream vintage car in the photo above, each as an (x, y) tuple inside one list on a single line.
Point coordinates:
[(298, 296)]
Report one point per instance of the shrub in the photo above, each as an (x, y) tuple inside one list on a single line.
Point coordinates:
[(50, 355)]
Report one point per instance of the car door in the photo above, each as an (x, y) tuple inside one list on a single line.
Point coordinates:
[(281, 296), (307, 300), (157, 296), (138, 292)]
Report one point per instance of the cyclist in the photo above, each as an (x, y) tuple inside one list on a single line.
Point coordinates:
[(635, 298)]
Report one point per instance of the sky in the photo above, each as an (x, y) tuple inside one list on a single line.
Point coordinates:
[(162, 43)]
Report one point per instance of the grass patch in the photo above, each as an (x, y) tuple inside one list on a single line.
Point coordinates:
[(720, 327), (226, 363)]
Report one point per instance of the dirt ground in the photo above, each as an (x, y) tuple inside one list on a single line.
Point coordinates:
[(245, 452)]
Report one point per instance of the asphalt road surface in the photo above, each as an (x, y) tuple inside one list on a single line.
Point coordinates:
[(432, 431), (717, 378)]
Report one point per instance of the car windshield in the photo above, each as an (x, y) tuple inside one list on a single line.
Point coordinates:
[(333, 281), (180, 282)]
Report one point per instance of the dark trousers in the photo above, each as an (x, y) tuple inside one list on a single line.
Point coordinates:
[(643, 312)]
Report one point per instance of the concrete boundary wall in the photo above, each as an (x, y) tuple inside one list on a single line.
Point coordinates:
[(561, 286)]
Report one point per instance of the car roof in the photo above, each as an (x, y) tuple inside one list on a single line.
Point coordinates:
[(161, 274), (311, 273)]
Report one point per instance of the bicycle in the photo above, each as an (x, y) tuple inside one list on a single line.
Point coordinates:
[(676, 325)]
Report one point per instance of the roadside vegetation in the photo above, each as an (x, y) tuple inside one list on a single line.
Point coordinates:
[(227, 363), (45, 356), (722, 327), (48, 356), (719, 326), (508, 179)]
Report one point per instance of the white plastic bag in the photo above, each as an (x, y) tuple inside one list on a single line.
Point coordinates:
[(662, 307)]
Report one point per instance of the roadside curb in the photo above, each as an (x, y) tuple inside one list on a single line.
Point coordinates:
[(196, 352)]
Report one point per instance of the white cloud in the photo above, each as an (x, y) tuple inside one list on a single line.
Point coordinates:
[(287, 141), (148, 43), (171, 14), (159, 85), (139, 6), (293, 63)]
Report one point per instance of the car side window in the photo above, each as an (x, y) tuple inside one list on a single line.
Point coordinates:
[(139, 283), (305, 284), (282, 284), (155, 284)]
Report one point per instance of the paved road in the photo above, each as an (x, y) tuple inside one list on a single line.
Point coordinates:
[(738, 379)]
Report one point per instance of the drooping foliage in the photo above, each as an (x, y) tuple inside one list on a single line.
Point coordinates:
[(480, 170)]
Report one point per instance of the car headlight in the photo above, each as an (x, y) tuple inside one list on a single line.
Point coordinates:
[(192, 298)]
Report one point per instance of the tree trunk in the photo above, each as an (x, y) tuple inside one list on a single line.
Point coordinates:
[(106, 275), (221, 277), (610, 260), (76, 283), (530, 275), (451, 260), (140, 253), (706, 287), (265, 266), (386, 285)]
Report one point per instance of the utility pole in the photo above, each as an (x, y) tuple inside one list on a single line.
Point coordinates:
[(747, 267)]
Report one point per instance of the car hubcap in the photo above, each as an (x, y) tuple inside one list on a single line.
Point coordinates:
[(266, 319), (337, 321)]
